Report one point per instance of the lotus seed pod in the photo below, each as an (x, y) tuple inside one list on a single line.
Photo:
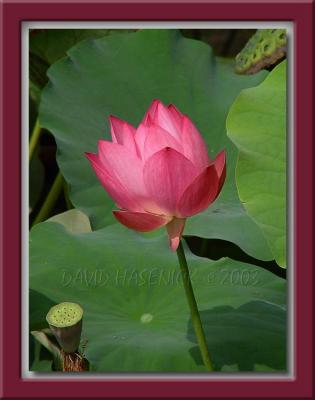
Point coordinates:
[(265, 48), (281, 37), (242, 63), (65, 321)]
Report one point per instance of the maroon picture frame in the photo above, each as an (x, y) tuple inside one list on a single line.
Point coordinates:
[(12, 385)]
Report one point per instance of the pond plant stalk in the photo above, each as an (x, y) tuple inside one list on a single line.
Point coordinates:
[(50, 200), (34, 139), (195, 316)]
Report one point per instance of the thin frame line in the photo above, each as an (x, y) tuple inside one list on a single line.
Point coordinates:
[(30, 375)]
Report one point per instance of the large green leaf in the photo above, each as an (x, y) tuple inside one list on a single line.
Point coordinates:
[(257, 125), (136, 316), (227, 220), (52, 44), (49, 45), (120, 75)]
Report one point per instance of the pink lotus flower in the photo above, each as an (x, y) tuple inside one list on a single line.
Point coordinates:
[(160, 173)]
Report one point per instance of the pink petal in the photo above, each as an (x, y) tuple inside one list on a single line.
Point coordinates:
[(167, 118), (175, 229), (124, 167), (142, 222), (141, 136), (157, 139), (176, 115), (194, 146), (220, 166), (123, 133), (113, 187), (200, 193), (149, 115), (163, 117), (166, 175)]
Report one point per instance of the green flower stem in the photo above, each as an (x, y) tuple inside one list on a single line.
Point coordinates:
[(34, 139), (195, 317), (50, 201)]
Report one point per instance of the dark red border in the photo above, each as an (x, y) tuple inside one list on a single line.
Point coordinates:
[(299, 12)]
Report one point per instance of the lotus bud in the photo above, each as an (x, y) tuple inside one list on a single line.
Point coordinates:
[(160, 173)]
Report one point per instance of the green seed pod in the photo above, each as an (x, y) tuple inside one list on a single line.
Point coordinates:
[(268, 46), (265, 48), (281, 37), (242, 63), (65, 321)]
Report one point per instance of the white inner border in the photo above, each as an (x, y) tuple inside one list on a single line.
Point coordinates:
[(29, 375)]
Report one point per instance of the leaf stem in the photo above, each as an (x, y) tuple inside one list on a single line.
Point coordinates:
[(34, 139), (50, 200), (195, 317)]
